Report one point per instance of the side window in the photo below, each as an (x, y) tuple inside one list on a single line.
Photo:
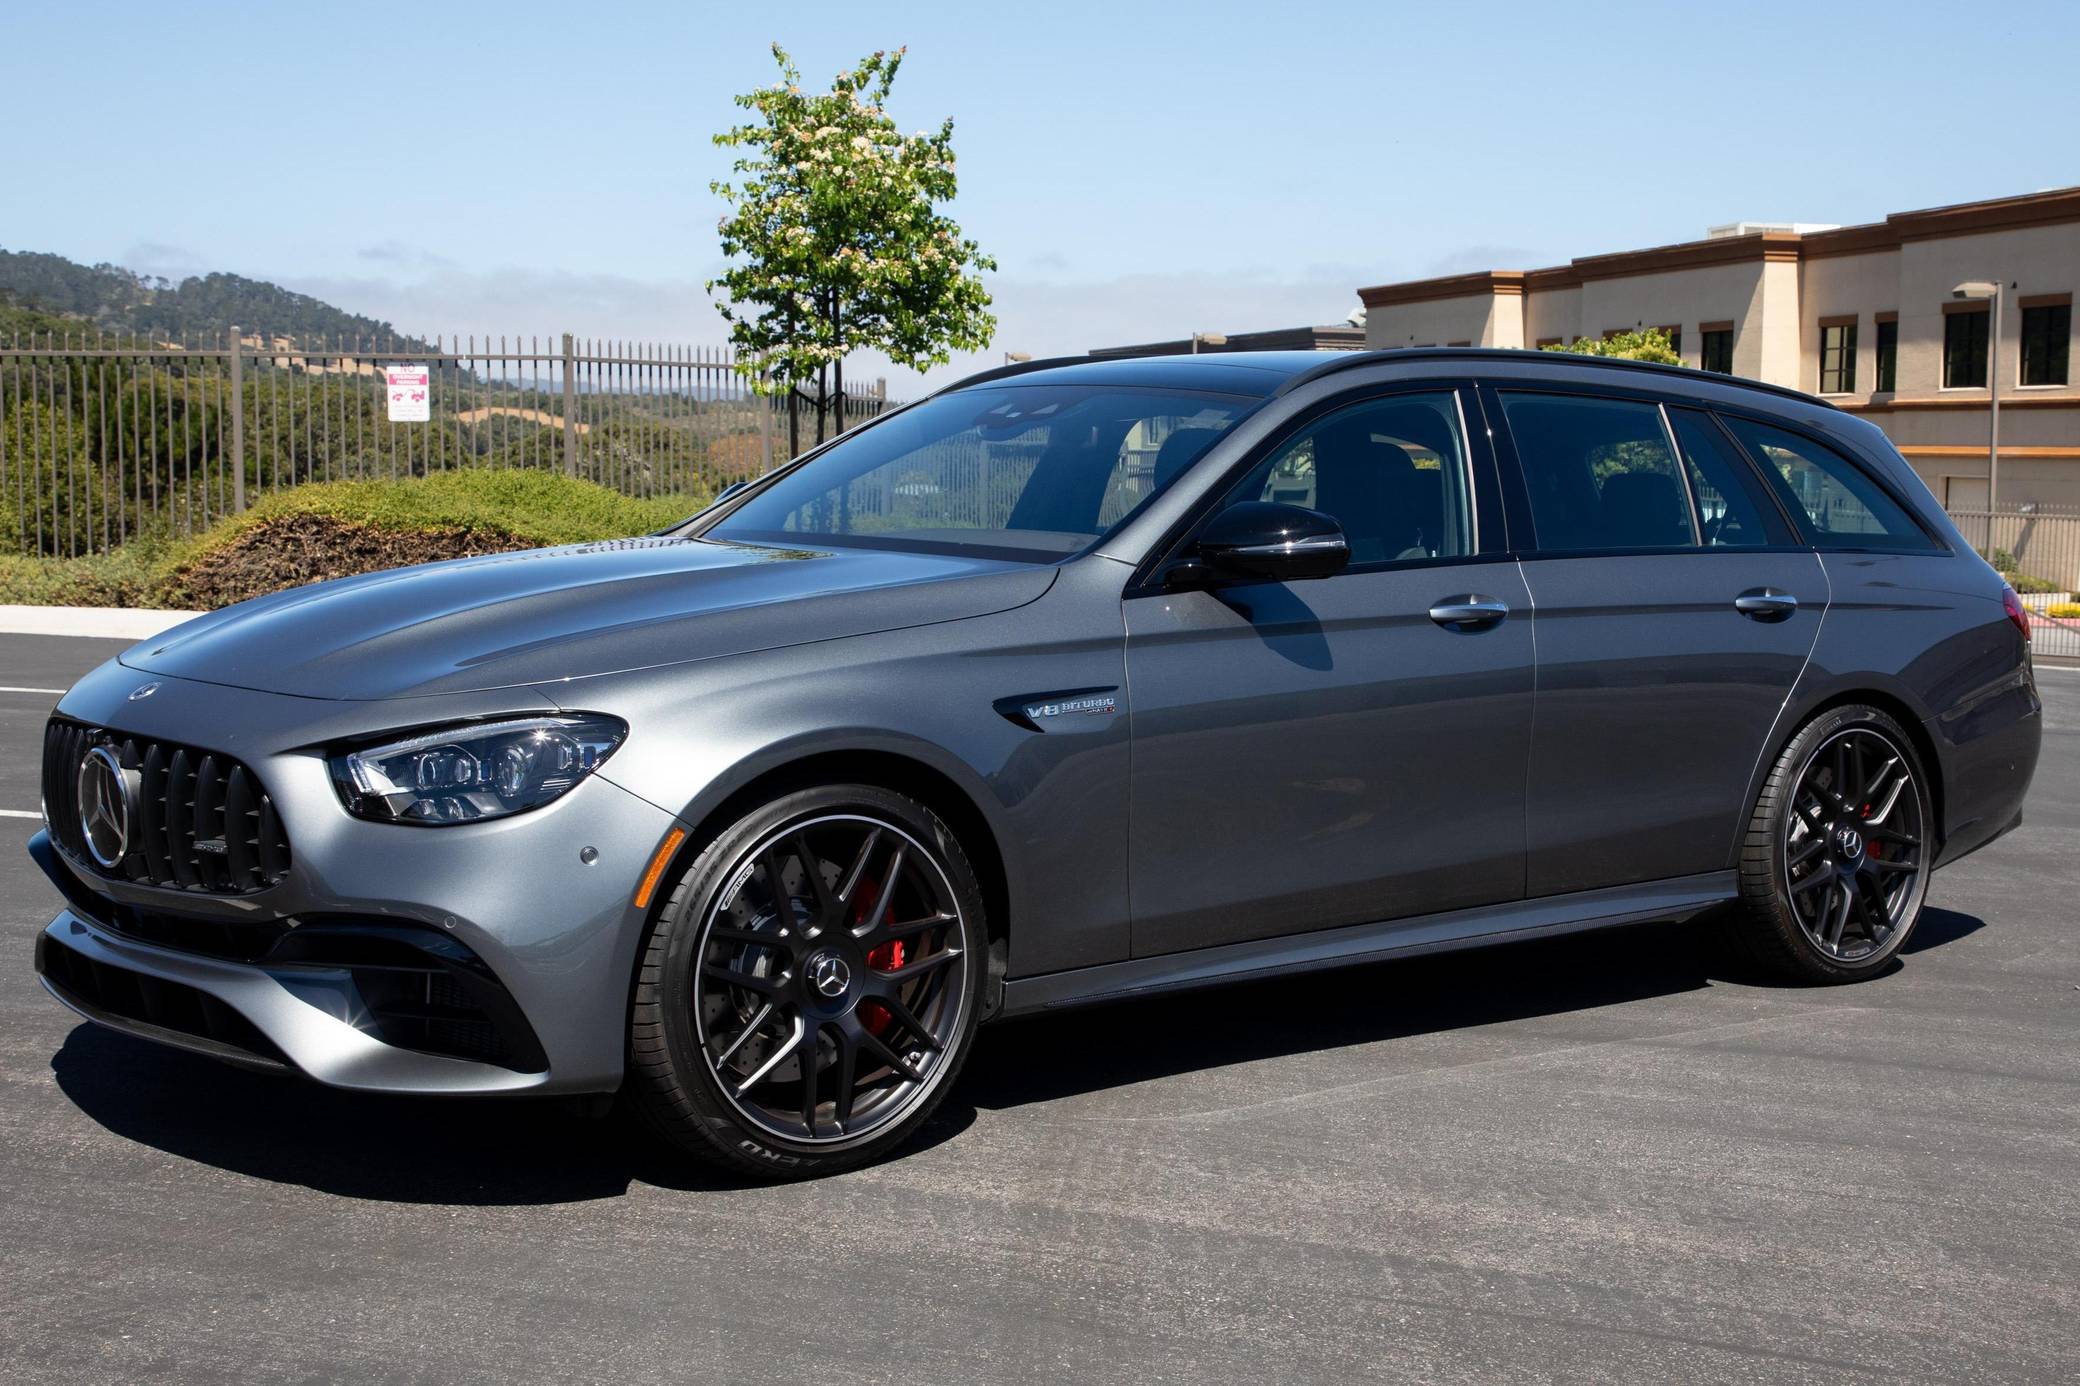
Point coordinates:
[(1600, 472), (1391, 472), (1845, 507), (1727, 510)]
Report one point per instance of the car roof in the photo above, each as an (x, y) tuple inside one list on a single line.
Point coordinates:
[(1263, 373)]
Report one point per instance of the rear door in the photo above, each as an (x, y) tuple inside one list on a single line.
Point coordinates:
[(1674, 610)]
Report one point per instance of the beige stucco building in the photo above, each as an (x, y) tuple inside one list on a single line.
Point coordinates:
[(1863, 315)]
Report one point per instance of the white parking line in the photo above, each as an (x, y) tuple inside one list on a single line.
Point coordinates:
[(18, 813), (6, 688)]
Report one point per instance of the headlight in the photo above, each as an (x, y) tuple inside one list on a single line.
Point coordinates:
[(480, 770)]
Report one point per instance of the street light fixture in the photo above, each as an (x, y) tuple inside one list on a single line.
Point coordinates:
[(1988, 289), (1012, 358), (1212, 339)]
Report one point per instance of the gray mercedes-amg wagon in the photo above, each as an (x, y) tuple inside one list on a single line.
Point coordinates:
[(1075, 681)]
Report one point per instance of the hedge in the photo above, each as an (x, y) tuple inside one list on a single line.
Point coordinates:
[(337, 529)]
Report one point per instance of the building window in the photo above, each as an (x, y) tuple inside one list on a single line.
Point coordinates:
[(1838, 358), (1674, 332), (1715, 351), (1888, 355), (2047, 334), (1964, 350)]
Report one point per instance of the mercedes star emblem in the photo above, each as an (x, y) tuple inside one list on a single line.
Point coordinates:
[(104, 806)]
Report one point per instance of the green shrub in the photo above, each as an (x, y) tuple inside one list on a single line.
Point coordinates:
[(130, 576), (545, 507), (1643, 344), (2002, 560), (337, 529), (2031, 586)]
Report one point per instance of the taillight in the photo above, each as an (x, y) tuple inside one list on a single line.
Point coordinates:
[(2012, 604)]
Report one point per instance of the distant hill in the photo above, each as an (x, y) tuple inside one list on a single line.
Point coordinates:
[(116, 300)]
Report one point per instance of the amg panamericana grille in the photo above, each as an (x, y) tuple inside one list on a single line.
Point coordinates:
[(199, 821)]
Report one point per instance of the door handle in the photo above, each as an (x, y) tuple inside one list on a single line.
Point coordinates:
[(1765, 604), (1470, 612)]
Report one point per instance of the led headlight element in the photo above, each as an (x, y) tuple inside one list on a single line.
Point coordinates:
[(479, 770)]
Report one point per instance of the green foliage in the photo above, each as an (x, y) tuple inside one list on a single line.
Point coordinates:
[(114, 299), (418, 519), (129, 576), (2027, 585), (835, 237), (56, 497), (539, 506), (1646, 344), (2002, 560)]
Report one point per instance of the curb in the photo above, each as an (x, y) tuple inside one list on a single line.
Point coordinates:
[(101, 622)]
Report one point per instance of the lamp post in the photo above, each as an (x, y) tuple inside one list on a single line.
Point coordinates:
[(1212, 339), (1012, 358), (1985, 289)]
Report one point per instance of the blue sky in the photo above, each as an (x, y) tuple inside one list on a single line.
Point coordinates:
[(1138, 170)]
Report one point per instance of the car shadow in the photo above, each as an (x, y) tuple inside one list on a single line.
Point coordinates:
[(484, 1151), (1049, 1057), (496, 1152)]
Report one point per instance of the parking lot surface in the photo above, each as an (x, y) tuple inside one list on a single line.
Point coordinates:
[(1589, 1159)]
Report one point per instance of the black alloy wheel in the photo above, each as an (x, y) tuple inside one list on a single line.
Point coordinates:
[(1853, 844), (1835, 866), (817, 981)]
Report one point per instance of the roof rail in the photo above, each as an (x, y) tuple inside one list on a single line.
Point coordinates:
[(1010, 368), (1352, 360)]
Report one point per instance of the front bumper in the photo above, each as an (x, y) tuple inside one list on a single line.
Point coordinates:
[(258, 1021), (536, 926)]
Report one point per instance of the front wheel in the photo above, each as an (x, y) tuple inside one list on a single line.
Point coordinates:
[(1836, 860), (812, 984)]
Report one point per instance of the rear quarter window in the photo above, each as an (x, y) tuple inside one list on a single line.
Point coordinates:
[(1843, 506)]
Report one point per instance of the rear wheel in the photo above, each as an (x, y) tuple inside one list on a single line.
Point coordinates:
[(1835, 864), (812, 985)]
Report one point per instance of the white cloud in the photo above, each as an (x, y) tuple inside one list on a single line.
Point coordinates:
[(156, 259)]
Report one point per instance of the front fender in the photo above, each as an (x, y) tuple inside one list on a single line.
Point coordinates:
[(1052, 794)]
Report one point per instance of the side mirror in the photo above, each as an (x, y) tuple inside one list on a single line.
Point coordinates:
[(1282, 543)]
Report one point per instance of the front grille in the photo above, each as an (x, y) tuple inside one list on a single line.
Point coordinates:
[(199, 821)]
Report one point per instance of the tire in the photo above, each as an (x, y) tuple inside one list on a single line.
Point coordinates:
[(813, 1028), (1832, 883)]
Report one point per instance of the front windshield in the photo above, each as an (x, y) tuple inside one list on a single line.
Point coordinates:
[(1035, 471)]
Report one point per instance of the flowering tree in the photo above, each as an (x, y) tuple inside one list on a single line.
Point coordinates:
[(835, 240)]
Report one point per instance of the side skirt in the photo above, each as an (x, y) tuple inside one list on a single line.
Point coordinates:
[(1673, 900)]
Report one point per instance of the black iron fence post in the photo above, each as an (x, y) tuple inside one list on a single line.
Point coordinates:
[(570, 407), (237, 458)]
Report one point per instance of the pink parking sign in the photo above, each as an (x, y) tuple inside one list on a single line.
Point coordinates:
[(411, 393)]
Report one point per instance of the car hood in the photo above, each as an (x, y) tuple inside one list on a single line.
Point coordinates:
[(508, 620)]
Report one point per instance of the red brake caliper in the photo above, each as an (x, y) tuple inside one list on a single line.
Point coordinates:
[(885, 958)]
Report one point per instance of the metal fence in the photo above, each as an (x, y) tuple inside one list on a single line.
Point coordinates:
[(104, 437), (2042, 543)]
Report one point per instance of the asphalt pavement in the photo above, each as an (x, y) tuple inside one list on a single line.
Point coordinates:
[(1593, 1159)]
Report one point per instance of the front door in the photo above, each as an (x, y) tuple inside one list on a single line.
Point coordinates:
[(1339, 751)]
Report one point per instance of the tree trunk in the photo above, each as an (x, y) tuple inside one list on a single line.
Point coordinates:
[(838, 384), (794, 421), (823, 398)]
